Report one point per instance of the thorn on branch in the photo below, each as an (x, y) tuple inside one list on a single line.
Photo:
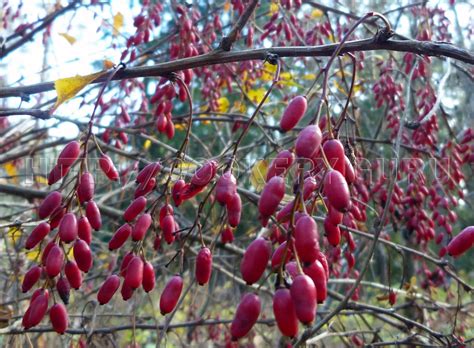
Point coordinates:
[(383, 35)]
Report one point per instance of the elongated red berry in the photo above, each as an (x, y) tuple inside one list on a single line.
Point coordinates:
[(271, 196), (134, 209), (462, 242), (56, 217), (392, 297), (134, 275), (280, 164), (59, 318), (64, 289), (145, 188), (337, 191), (37, 309), (349, 172), (279, 253), (306, 239), (141, 227), (176, 192), (84, 229), (285, 313), (205, 174), (37, 235), (108, 167), (246, 316), (69, 154), (303, 294), (120, 236), (73, 274), (169, 227), (54, 261), (68, 228), (171, 293), (308, 142), (31, 277), (126, 291), (108, 289), (85, 189), (57, 173), (322, 258), (165, 210), (255, 260), (50, 204), (148, 173), (333, 233), (234, 210), (293, 113), (149, 280), (226, 188), (317, 273), (82, 255), (203, 266), (46, 251), (93, 214), (334, 152), (227, 235)]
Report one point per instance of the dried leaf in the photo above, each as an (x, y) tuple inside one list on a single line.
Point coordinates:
[(118, 23), (258, 174), (71, 39)]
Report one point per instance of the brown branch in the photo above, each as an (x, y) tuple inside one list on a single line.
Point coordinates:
[(228, 41), (36, 113), (428, 48)]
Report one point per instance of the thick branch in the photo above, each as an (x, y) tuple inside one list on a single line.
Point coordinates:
[(427, 48), (36, 113)]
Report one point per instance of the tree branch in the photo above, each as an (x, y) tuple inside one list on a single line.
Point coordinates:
[(428, 48)]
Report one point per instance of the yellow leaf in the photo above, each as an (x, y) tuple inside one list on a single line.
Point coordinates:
[(316, 13), (14, 233), (118, 23), (223, 104), (258, 174), (256, 95), (309, 77), (186, 166), (10, 169), (179, 127), (273, 8), (71, 39), (69, 254), (41, 180), (33, 254), (68, 87), (146, 144), (107, 64), (227, 6)]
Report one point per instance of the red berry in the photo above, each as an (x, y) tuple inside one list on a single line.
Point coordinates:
[(337, 191), (64, 289), (176, 191), (37, 309), (303, 294), (125, 261), (349, 171), (171, 293), (168, 226), (145, 188), (126, 291), (205, 174), (134, 209), (50, 204), (68, 228), (462, 242), (285, 314), (84, 229), (56, 217), (308, 142), (246, 316), (69, 154), (334, 152), (148, 282), (255, 260), (73, 274), (59, 318), (278, 255), (234, 210), (82, 255), (148, 173), (226, 188), (108, 289), (280, 164), (306, 239), (134, 277), (203, 266), (333, 233), (293, 113), (54, 261), (392, 297), (93, 214), (85, 189), (31, 277), (227, 235), (141, 227), (37, 235), (317, 273), (120, 236), (108, 167), (271, 196)]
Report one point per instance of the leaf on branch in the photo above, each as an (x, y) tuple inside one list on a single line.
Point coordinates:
[(14, 233), (68, 87), (317, 13), (11, 171), (258, 174), (107, 64), (146, 144), (256, 95), (223, 104), (118, 23), (33, 254), (71, 39)]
